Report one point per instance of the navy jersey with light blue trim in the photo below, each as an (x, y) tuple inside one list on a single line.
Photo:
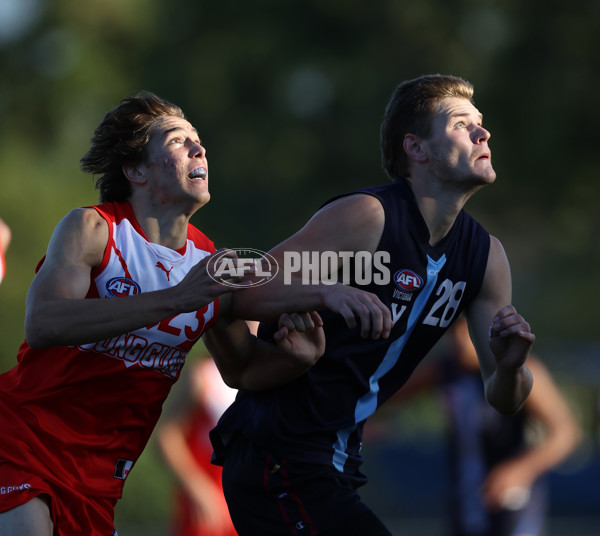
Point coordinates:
[(318, 418)]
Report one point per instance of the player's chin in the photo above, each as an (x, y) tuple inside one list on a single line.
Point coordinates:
[(490, 178), (485, 171), (203, 198), (483, 179)]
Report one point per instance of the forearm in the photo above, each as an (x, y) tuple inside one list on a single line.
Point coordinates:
[(549, 454), (506, 390), (180, 459), (246, 362), (60, 322), (267, 302), (269, 367), (356, 306)]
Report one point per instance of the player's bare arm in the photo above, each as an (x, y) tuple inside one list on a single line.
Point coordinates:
[(350, 224), (246, 362), (5, 235), (57, 312), (501, 336), (549, 408), (548, 405)]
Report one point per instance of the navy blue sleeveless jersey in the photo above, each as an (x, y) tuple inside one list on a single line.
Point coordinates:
[(319, 417)]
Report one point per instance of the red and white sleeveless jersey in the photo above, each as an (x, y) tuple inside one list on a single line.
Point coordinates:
[(80, 416)]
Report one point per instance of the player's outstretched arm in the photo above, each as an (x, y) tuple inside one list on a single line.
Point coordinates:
[(246, 362), (349, 225), (561, 435), (57, 312), (501, 336), (208, 503)]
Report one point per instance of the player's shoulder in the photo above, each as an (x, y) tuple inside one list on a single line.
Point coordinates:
[(496, 248), (82, 232), (85, 219), (353, 205)]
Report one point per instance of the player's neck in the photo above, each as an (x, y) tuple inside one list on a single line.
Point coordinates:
[(167, 226), (438, 206)]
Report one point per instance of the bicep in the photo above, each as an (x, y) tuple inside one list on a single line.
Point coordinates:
[(353, 223), (495, 293), (76, 247), (347, 225)]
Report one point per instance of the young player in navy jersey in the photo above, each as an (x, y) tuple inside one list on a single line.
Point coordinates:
[(124, 291), (291, 455)]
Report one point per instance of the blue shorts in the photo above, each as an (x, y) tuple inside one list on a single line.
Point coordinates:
[(271, 496)]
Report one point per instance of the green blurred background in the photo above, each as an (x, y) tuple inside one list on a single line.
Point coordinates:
[(287, 98)]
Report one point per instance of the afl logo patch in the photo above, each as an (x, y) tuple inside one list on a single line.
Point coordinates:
[(122, 286), (407, 280)]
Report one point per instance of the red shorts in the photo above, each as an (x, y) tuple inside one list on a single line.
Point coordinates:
[(73, 514)]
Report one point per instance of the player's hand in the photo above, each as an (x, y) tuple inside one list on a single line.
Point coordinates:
[(301, 335), (508, 485), (213, 276), (225, 267), (510, 338), (357, 305)]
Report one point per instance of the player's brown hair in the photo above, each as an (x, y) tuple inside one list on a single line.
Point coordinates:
[(121, 138), (410, 110)]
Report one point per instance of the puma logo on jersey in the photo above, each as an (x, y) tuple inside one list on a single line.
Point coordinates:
[(162, 267)]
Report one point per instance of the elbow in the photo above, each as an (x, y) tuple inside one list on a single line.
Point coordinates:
[(234, 381), (507, 394), (37, 341), (506, 406), (33, 337), (39, 334), (507, 411), (573, 436), (250, 382)]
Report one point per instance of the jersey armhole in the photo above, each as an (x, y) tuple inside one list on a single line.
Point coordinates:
[(109, 243)]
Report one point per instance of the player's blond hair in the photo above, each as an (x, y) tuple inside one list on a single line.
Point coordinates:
[(410, 110)]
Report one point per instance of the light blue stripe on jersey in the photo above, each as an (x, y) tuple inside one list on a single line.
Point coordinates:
[(367, 404)]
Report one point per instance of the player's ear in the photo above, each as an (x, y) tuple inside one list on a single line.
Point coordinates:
[(413, 147), (133, 173)]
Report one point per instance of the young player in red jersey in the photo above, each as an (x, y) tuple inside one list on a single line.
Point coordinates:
[(124, 291)]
